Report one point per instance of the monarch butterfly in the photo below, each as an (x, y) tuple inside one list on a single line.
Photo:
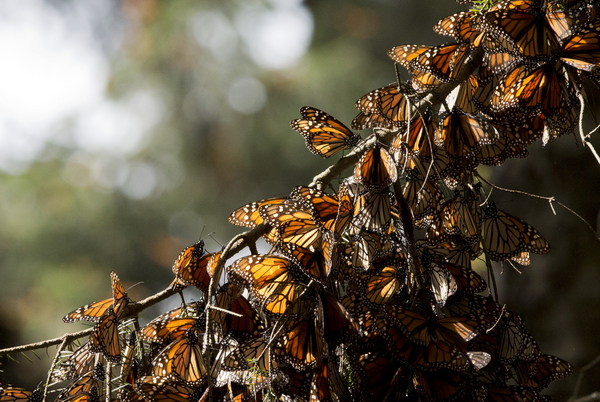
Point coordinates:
[(372, 211), (436, 355), (298, 382), (303, 233), (94, 311), (458, 26), (294, 223), (130, 363), (383, 286), (312, 262), (105, 337), (15, 394), (479, 359), (324, 135), (80, 362), (405, 54), (165, 331), (251, 355), (438, 386), (441, 283), (519, 136), (541, 90), (541, 373), (454, 330), (374, 371), (419, 138), (248, 325), (345, 208), (339, 326), (423, 197), (506, 236), (191, 268), (161, 389), (188, 311), (323, 206), (464, 98), (462, 134), (248, 215), (443, 62), (302, 344), (512, 339), (423, 81), (582, 51), (366, 120), (524, 23), (485, 309), (182, 360), (567, 22), (271, 280), (83, 385), (369, 245), (462, 215), (376, 169), (327, 384), (389, 103)]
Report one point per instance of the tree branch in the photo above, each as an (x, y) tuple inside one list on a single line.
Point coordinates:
[(549, 199)]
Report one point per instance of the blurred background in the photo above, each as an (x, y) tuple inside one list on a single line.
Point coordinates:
[(130, 128)]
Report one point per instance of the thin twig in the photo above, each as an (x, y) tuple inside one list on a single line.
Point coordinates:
[(549, 199), (585, 368), (595, 396), (108, 380), (54, 361), (223, 310), (498, 320), (47, 343), (584, 137), (588, 135)]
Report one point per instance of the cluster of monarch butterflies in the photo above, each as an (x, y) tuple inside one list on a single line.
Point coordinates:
[(349, 304)]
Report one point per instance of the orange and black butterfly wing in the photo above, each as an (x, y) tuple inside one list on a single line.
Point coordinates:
[(248, 325), (248, 215), (324, 135), (120, 299), (271, 281), (15, 394), (182, 360), (161, 389), (105, 337), (165, 331), (301, 344), (89, 312), (339, 326)]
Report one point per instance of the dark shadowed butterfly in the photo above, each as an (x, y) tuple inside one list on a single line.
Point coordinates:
[(505, 236), (161, 389)]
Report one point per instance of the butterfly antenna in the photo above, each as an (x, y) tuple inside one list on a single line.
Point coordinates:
[(216, 241), (134, 285), (202, 232)]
